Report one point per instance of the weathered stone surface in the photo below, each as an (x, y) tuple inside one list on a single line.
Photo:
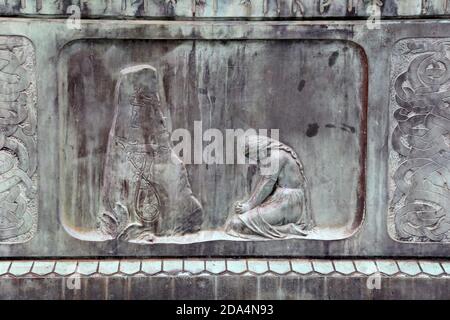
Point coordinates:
[(84, 101), (194, 266), (18, 149), (301, 266), (344, 267), (151, 267), (419, 148), (130, 266), (216, 266), (4, 267), (177, 220), (43, 268), (431, 268), (226, 8), (258, 266), (231, 287), (145, 191), (183, 267), (280, 267), (108, 267), (87, 267), (387, 267), (92, 113), (409, 267), (172, 266), (299, 281), (237, 266), (323, 267), (446, 267), (366, 267), (66, 267), (19, 268)]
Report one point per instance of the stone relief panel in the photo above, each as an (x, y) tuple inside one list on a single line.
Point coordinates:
[(18, 153), (124, 102), (420, 146), (146, 191)]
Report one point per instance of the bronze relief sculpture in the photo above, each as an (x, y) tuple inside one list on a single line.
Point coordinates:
[(420, 155), (18, 155), (279, 206), (146, 191)]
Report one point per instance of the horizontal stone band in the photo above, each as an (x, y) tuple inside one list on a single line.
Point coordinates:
[(227, 8), (211, 267)]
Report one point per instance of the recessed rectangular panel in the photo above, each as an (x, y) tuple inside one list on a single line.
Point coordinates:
[(420, 146), (18, 142), (147, 128)]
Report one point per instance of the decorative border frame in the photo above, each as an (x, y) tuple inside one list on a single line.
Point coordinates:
[(228, 8), (215, 267)]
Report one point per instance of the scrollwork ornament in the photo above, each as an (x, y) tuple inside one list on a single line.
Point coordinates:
[(18, 150), (421, 141)]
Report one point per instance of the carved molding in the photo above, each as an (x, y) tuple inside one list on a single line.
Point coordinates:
[(18, 154), (420, 143), (219, 266), (226, 8)]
